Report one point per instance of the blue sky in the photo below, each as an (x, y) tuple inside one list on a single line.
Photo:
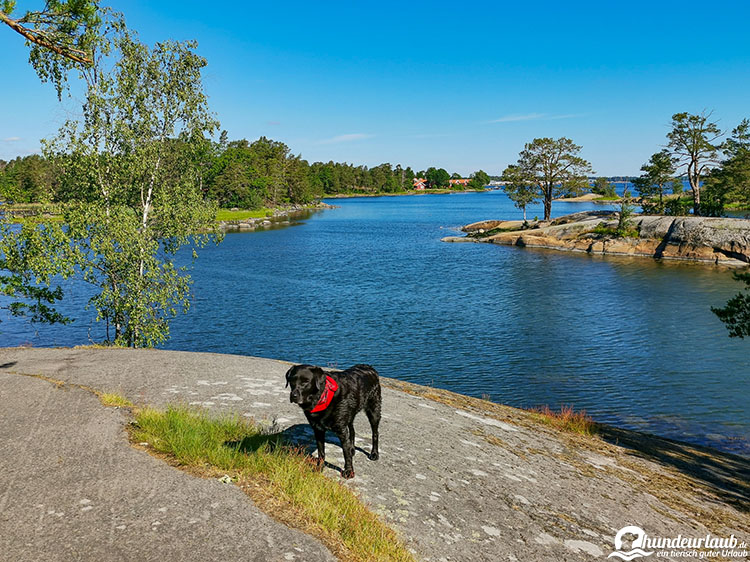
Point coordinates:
[(462, 85)]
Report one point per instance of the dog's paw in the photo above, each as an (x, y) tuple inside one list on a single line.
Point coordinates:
[(374, 456), (348, 473)]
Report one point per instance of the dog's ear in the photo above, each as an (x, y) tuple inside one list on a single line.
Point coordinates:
[(288, 373), (320, 377)]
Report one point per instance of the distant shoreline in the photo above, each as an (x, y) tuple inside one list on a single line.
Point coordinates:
[(411, 192)]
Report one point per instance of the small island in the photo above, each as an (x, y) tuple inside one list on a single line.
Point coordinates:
[(716, 240)]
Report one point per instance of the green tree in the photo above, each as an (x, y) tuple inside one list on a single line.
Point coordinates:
[(28, 179), (659, 174), (519, 189), (602, 186), (549, 165), (437, 178), (730, 183), (479, 179), (300, 187), (233, 181), (624, 222), (692, 144), (137, 198), (736, 313), (60, 38)]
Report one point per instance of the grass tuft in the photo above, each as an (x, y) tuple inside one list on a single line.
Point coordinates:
[(277, 476), (566, 419), (111, 399), (605, 230)]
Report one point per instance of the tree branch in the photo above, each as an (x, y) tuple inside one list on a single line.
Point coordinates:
[(39, 38)]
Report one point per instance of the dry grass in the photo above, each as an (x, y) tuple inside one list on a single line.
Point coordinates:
[(566, 419), (281, 479)]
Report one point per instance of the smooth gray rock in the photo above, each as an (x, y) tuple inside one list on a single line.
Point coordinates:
[(459, 482), (72, 488)]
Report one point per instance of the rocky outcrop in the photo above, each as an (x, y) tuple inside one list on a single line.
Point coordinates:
[(704, 239)]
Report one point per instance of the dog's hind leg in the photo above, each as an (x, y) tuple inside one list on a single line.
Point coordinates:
[(347, 445), (373, 414), (351, 436)]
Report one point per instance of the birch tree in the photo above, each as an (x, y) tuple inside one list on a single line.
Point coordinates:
[(126, 166)]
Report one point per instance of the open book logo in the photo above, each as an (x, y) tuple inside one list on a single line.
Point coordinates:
[(636, 547)]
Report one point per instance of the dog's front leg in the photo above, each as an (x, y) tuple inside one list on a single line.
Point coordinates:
[(347, 444), (320, 438)]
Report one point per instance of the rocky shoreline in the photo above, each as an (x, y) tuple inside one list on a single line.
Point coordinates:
[(281, 217), (714, 240)]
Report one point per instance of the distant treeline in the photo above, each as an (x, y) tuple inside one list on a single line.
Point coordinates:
[(243, 174)]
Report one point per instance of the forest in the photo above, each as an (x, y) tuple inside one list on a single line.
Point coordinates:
[(238, 173)]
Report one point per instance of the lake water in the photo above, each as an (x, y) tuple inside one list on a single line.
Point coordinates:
[(630, 340)]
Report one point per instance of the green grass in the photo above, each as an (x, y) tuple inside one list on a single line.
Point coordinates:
[(279, 478), (227, 215), (566, 419), (111, 399), (737, 207), (602, 229)]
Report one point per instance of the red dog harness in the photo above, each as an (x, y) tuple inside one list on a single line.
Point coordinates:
[(325, 398)]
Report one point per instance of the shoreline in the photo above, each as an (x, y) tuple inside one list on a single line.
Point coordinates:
[(707, 240), (443, 455), (401, 193), (280, 217)]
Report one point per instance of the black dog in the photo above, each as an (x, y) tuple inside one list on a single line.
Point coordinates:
[(330, 400)]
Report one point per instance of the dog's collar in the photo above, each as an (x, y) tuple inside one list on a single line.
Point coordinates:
[(325, 398)]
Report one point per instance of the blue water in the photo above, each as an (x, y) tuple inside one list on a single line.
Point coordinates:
[(630, 340)]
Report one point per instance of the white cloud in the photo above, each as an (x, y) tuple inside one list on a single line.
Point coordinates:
[(12, 139), (346, 138)]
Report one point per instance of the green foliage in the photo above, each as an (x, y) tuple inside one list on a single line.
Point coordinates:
[(692, 144), (479, 180), (736, 313), (679, 206), (437, 178), (61, 36), (653, 184), (518, 189), (730, 183), (624, 217), (29, 179), (131, 169), (36, 302), (614, 231), (553, 166), (603, 187)]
